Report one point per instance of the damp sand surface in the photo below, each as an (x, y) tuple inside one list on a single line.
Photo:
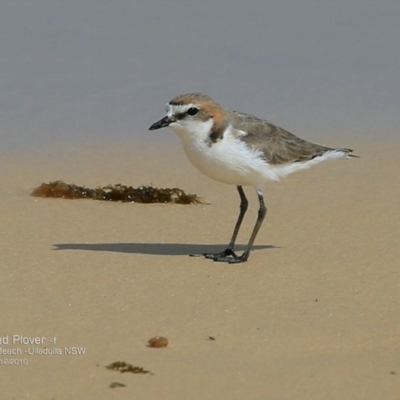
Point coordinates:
[(313, 314)]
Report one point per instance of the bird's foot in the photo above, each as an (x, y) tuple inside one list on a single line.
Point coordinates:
[(228, 255), (213, 256)]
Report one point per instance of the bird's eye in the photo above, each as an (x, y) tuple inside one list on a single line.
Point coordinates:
[(192, 111)]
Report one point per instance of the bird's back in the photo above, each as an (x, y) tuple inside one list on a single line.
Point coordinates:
[(278, 145)]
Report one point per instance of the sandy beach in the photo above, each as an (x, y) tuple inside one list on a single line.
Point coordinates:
[(313, 314)]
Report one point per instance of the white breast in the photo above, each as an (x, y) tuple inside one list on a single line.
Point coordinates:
[(228, 160)]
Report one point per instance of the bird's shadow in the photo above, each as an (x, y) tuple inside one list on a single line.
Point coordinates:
[(165, 249)]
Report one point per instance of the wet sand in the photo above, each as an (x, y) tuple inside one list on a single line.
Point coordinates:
[(313, 314)]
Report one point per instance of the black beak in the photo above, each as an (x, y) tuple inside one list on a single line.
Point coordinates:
[(161, 123)]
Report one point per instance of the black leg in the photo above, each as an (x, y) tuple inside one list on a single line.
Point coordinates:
[(262, 212), (229, 255), (229, 252)]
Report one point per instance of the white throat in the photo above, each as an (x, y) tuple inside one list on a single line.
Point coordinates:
[(192, 130)]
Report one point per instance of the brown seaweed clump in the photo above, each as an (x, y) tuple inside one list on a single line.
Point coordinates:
[(122, 367), (118, 192)]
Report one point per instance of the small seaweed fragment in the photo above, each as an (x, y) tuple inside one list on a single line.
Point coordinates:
[(122, 367), (118, 192), (114, 385), (157, 342)]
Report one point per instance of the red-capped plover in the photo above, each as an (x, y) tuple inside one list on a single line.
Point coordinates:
[(239, 149)]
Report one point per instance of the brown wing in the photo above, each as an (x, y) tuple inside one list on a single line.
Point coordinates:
[(277, 145)]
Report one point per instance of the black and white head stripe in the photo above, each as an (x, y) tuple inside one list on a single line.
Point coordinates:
[(181, 110)]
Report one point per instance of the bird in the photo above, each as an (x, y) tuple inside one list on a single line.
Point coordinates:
[(239, 149)]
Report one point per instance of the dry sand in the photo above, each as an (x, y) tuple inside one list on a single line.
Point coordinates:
[(314, 314)]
